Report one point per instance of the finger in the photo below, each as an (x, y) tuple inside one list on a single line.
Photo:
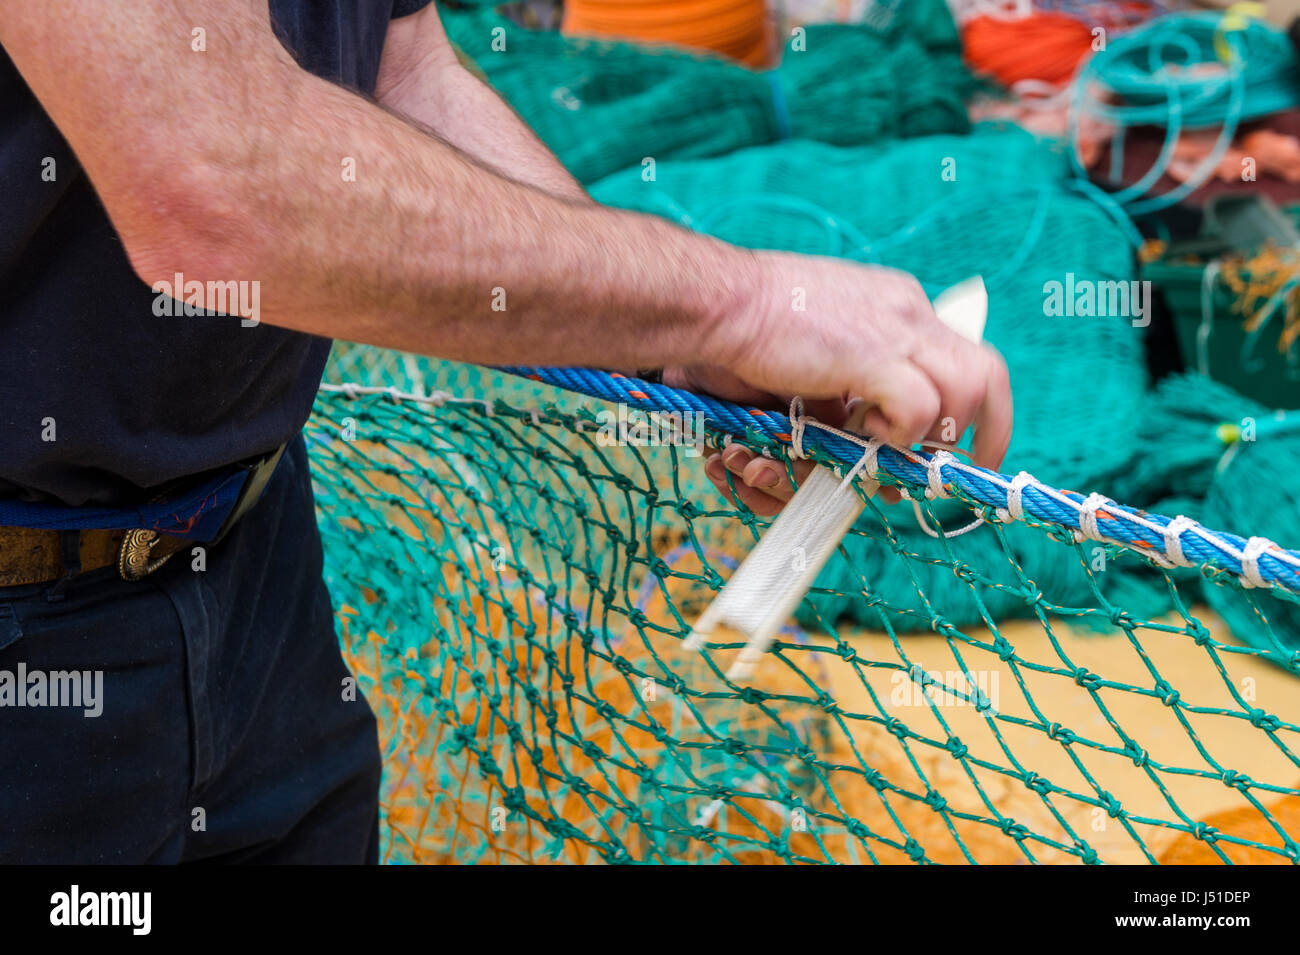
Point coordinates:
[(767, 476), (764, 505), (904, 403), (763, 485), (760, 502), (716, 472), (734, 460), (832, 411), (958, 370), (994, 420)]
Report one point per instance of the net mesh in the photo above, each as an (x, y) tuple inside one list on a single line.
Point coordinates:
[(514, 593), (603, 106)]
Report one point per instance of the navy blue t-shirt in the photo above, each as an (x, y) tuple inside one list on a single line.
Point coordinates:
[(131, 400)]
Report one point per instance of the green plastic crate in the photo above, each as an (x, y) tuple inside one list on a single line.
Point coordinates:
[(1212, 338)]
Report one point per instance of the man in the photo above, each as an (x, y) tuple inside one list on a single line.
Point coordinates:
[(164, 138)]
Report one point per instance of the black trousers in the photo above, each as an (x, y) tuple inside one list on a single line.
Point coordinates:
[(225, 728)]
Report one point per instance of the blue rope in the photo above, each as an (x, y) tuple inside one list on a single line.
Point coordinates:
[(978, 486)]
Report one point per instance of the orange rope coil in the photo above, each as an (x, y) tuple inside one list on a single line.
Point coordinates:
[(1044, 46), (735, 28)]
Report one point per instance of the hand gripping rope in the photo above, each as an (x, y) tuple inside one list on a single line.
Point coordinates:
[(1255, 562)]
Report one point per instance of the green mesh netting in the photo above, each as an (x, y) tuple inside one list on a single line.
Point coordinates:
[(514, 595), (604, 106)]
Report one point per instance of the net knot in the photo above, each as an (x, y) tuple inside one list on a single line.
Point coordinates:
[(607, 711), (561, 829), (935, 801), (1087, 679), (1087, 854), (734, 747), (1121, 618), (957, 748), (876, 780), (703, 834), (1168, 695), (1139, 756), (1264, 720), (462, 738), (1013, 829), (1030, 593), (964, 573), (1055, 731), (1235, 780), (1113, 807), (1036, 783)]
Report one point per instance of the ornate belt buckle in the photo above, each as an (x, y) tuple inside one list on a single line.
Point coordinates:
[(133, 560)]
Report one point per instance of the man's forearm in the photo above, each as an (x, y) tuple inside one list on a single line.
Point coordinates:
[(357, 225), (427, 251)]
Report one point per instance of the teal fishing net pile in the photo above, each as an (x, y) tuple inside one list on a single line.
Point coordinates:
[(1220, 458), (603, 106)]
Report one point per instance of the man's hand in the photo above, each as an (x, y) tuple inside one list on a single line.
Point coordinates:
[(830, 331)]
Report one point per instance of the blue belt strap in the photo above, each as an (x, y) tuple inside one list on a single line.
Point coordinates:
[(195, 512)]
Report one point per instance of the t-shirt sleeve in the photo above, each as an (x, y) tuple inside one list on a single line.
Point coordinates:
[(404, 8)]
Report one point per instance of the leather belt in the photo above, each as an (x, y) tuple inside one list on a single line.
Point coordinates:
[(29, 556)]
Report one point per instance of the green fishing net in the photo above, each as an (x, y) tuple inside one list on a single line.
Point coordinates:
[(603, 106), (514, 594)]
